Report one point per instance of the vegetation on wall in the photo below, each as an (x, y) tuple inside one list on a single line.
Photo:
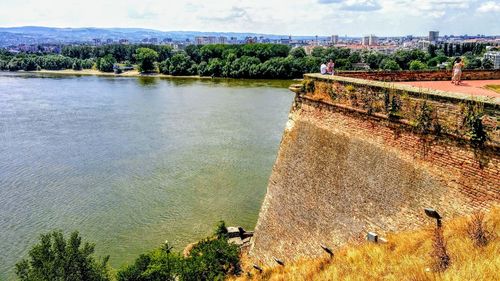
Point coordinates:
[(472, 121)]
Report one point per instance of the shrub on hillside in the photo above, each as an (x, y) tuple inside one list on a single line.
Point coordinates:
[(478, 231), (210, 259), (55, 258)]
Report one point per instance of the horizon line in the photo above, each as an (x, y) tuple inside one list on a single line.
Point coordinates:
[(240, 32)]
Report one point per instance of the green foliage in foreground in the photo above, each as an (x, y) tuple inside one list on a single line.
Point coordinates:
[(55, 258), (210, 259)]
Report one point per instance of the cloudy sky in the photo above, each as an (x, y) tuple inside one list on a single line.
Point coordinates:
[(296, 17)]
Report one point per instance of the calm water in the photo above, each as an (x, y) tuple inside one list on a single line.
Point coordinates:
[(131, 162)]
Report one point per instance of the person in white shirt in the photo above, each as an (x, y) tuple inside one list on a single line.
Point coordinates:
[(323, 68)]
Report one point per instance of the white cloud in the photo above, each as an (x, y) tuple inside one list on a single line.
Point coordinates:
[(489, 6), (296, 17)]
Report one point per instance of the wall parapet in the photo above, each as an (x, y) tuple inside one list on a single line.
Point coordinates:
[(420, 75), (461, 116)]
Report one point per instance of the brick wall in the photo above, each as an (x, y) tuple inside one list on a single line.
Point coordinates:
[(342, 171), (424, 75)]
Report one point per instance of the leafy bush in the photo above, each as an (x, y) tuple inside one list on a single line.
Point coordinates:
[(106, 63), (209, 259), (146, 58), (389, 64), (29, 64), (417, 65), (179, 64), (55, 258), (160, 264), (77, 65), (487, 64), (297, 53)]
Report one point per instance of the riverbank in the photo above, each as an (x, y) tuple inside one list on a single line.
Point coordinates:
[(93, 72)]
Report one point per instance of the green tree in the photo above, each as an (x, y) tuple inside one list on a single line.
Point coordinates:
[(15, 64), (106, 63), (77, 65), (474, 63), (146, 58), (159, 265), (245, 67), (355, 57), (389, 64), (417, 65), (180, 64), (431, 49), (373, 59), (3, 64), (164, 66), (487, 64), (343, 64), (298, 53), (29, 64), (164, 52), (210, 259), (55, 258)]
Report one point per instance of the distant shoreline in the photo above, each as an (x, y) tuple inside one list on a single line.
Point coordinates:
[(92, 72)]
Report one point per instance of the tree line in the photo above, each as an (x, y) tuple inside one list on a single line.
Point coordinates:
[(55, 257), (241, 61)]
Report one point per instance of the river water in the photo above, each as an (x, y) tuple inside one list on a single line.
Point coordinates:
[(132, 162)]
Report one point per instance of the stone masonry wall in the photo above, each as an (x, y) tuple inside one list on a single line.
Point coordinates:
[(424, 75), (344, 169)]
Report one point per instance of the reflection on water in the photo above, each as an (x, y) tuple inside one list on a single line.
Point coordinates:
[(131, 162), (147, 81)]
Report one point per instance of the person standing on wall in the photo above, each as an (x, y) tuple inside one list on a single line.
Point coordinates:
[(330, 67), (458, 65)]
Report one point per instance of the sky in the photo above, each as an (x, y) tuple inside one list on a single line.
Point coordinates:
[(294, 17)]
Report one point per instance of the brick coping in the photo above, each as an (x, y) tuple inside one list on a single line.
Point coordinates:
[(492, 102)]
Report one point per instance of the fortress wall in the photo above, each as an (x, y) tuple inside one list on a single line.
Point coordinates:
[(423, 75), (341, 172)]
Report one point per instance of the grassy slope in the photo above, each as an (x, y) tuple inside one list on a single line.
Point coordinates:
[(405, 257)]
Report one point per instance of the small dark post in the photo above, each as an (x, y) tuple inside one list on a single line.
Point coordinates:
[(327, 250), (278, 261), (435, 215), (258, 268)]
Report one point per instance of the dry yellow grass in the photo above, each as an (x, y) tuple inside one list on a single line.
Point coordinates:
[(495, 88), (405, 257)]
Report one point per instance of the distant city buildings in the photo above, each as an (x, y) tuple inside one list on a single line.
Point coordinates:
[(207, 40), (385, 45), (433, 36), (370, 40), (334, 39), (494, 56)]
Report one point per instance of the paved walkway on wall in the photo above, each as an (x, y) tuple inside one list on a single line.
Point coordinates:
[(472, 87)]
